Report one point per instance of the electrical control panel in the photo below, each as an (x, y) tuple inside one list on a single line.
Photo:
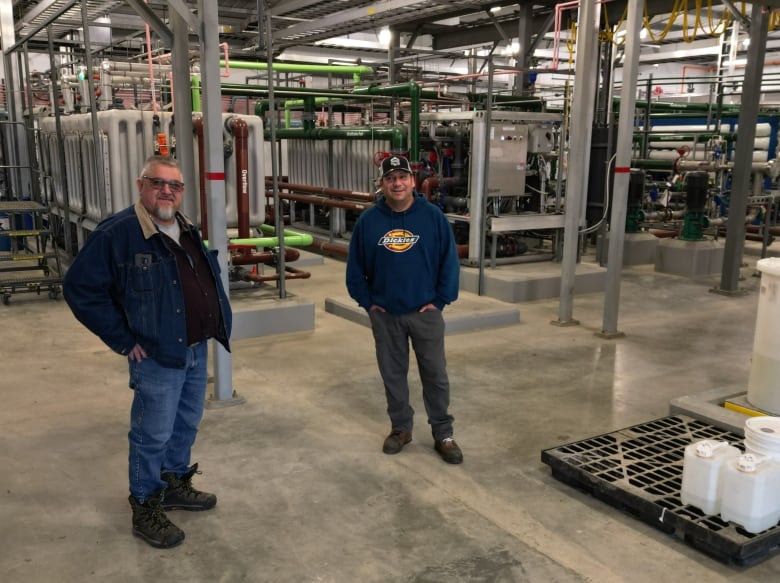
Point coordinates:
[(508, 154)]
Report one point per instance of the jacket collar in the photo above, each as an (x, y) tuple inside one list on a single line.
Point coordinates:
[(147, 224)]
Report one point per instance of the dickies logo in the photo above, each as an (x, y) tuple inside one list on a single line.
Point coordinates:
[(398, 240)]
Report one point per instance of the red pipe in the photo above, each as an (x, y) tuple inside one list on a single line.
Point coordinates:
[(197, 124), (240, 131), (426, 188), (337, 192)]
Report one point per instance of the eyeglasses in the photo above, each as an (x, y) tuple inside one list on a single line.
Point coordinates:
[(158, 183)]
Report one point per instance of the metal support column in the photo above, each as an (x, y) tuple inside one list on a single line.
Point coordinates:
[(215, 174), (743, 157), (182, 102), (585, 82), (617, 224)]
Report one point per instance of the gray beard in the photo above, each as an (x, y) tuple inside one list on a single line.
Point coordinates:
[(165, 214)]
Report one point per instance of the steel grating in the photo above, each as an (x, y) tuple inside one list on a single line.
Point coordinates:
[(639, 469)]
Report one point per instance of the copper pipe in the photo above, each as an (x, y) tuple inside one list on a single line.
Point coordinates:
[(757, 229), (664, 233), (332, 248), (751, 234), (265, 257), (321, 190), (291, 273), (240, 131), (355, 206), (197, 125), (427, 186)]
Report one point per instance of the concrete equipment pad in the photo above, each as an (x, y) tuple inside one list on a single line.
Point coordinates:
[(260, 312), (523, 282), (469, 312), (689, 257)]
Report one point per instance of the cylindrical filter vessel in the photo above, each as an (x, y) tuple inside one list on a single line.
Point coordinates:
[(764, 384), (696, 190)]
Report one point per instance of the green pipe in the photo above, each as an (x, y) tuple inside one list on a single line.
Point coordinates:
[(688, 137), (195, 88), (299, 241), (293, 103), (648, 164), (356, 70), (533, 103), (411, 90), (271, 231), (397, 136), (677, 106)]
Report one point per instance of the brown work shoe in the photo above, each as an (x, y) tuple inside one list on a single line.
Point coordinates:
[(449, 451), (396, 441)]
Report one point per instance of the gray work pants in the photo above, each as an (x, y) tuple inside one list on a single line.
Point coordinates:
[(426, 331)]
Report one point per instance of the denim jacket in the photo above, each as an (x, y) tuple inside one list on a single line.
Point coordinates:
[(124, 287)]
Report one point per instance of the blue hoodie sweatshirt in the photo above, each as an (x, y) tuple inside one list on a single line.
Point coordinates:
[(402, 261)]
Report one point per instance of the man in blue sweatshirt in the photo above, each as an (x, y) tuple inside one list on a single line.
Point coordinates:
[(403, 269)]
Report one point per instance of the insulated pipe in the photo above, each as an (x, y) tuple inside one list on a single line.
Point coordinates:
[(240, 131), (197, 124), (337, 192)]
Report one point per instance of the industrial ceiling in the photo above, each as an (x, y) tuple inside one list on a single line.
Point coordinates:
[(304, 29)]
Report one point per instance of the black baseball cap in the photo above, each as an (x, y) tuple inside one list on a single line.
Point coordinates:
[(394, 163)]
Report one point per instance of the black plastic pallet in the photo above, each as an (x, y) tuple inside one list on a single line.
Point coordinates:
[(639, 469)]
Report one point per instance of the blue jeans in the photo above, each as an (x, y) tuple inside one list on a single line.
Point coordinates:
[(167, 408)]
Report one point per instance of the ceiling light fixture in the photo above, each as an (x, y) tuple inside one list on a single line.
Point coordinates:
[(385, 36)]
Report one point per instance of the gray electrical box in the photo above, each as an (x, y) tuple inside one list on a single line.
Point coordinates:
[(508, 153), (541, 139)]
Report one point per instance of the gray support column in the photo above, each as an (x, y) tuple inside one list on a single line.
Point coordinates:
[(585, 83), (182, 102), (16, 152), (617, 224), (275, 166), (743, 157), (100, 161), (54, 73), (211, 102)]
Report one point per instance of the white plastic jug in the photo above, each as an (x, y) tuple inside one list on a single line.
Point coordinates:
[(749, 492), (703, 464)]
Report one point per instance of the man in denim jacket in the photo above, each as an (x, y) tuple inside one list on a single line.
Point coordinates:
[(146, 285)]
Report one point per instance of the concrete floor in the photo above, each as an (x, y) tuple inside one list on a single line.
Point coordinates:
[(305, 493)]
